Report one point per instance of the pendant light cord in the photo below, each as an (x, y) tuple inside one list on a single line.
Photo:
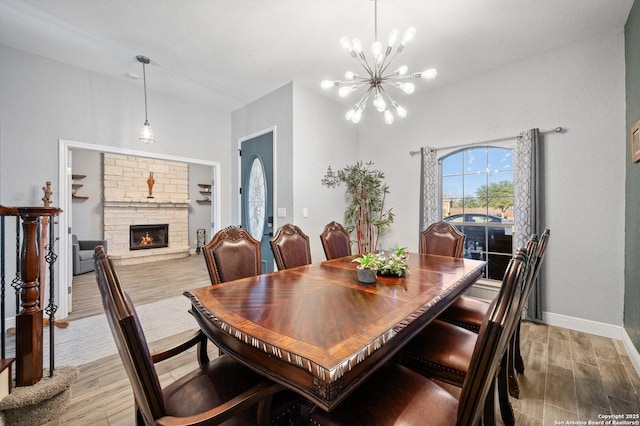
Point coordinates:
[(144, 81)]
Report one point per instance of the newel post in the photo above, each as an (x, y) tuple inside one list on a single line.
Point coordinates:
[(29, 347)]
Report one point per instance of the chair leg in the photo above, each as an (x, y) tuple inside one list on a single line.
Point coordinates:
[(517, 356), (203, 356), (489, 415), (506, 411), (514, 387)]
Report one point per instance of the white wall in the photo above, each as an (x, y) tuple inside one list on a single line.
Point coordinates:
[(579, 87), (272, 110), (321, 138), (44, 100)]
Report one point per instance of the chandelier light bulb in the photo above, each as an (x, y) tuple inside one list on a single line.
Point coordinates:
[(429, 74), (402, 70), (393, 37), (388, 117), (346, 44), (345, 91), (376, 49), (407, 88), (402, 113), (349, 114), (357, 46), (379, 103), (327, 84), (377, 79), (357, 115), (408, 36)]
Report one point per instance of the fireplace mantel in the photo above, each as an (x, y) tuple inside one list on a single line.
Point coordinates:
[(148, 203)]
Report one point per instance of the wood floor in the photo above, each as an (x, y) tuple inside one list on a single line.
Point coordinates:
[(569, 375), (145, 283)]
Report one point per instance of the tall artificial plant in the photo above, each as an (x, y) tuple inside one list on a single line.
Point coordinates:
[(365, 194)]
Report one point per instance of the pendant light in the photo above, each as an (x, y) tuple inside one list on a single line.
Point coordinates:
[(146, 133)]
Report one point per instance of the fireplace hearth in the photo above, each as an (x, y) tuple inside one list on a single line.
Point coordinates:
[(142, 237)]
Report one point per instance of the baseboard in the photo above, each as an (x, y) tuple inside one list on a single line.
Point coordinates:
[(599, 329), (634, 355), (583, 325)]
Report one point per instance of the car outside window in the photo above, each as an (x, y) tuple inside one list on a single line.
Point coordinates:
[(477, 197)]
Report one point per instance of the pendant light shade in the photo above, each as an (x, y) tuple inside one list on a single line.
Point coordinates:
[(146, 133)]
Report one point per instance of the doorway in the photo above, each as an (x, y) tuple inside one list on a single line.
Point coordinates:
[(64, 290), (256, 192)]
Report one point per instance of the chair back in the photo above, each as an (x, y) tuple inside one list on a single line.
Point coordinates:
[(443, 239), (232, 254), (491, 343), (335, 241), (129, 338), (290, 247), (536, 262)]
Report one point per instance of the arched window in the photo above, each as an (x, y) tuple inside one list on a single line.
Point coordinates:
[(477, 198)]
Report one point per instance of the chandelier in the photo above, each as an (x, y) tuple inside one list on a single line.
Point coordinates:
[(377, 77), (146, 133)]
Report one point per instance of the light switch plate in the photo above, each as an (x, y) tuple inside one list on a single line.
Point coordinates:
[(282, 212)]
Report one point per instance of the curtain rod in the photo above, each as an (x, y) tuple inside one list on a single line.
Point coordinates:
[(555, 130)]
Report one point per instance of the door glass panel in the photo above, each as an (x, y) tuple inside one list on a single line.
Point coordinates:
[(256, 199)]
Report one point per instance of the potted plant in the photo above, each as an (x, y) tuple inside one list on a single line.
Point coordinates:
[(367, 267), (365, 212), (395, 264)]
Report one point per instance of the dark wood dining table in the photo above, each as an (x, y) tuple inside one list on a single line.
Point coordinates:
[(317, 330)]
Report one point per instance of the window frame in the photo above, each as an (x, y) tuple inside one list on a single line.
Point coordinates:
[(483, 282)]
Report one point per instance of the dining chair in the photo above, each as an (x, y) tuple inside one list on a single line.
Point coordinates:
[(397, 395), (232, 254), (443, 350), (443, 239), (335, 241), (290, 247), (216, 391), (468, 312)]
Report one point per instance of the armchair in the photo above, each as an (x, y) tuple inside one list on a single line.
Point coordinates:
[(83, 254)]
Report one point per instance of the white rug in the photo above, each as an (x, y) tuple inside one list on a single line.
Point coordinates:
[(89, 339)]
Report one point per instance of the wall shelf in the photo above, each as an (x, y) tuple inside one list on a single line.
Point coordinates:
[(75, 186), (205, 189)]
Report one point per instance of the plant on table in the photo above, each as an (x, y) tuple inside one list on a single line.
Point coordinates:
[(395, 264)]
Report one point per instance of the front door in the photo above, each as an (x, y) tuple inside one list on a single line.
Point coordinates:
[(256, 174)]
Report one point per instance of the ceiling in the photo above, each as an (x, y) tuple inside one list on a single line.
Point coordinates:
[(228, 53)]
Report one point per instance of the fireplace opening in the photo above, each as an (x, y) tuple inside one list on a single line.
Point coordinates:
[(143, 237)]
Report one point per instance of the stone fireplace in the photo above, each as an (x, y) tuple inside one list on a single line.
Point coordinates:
[(127, 204)]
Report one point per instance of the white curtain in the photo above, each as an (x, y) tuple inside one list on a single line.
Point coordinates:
[(525, 180)]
